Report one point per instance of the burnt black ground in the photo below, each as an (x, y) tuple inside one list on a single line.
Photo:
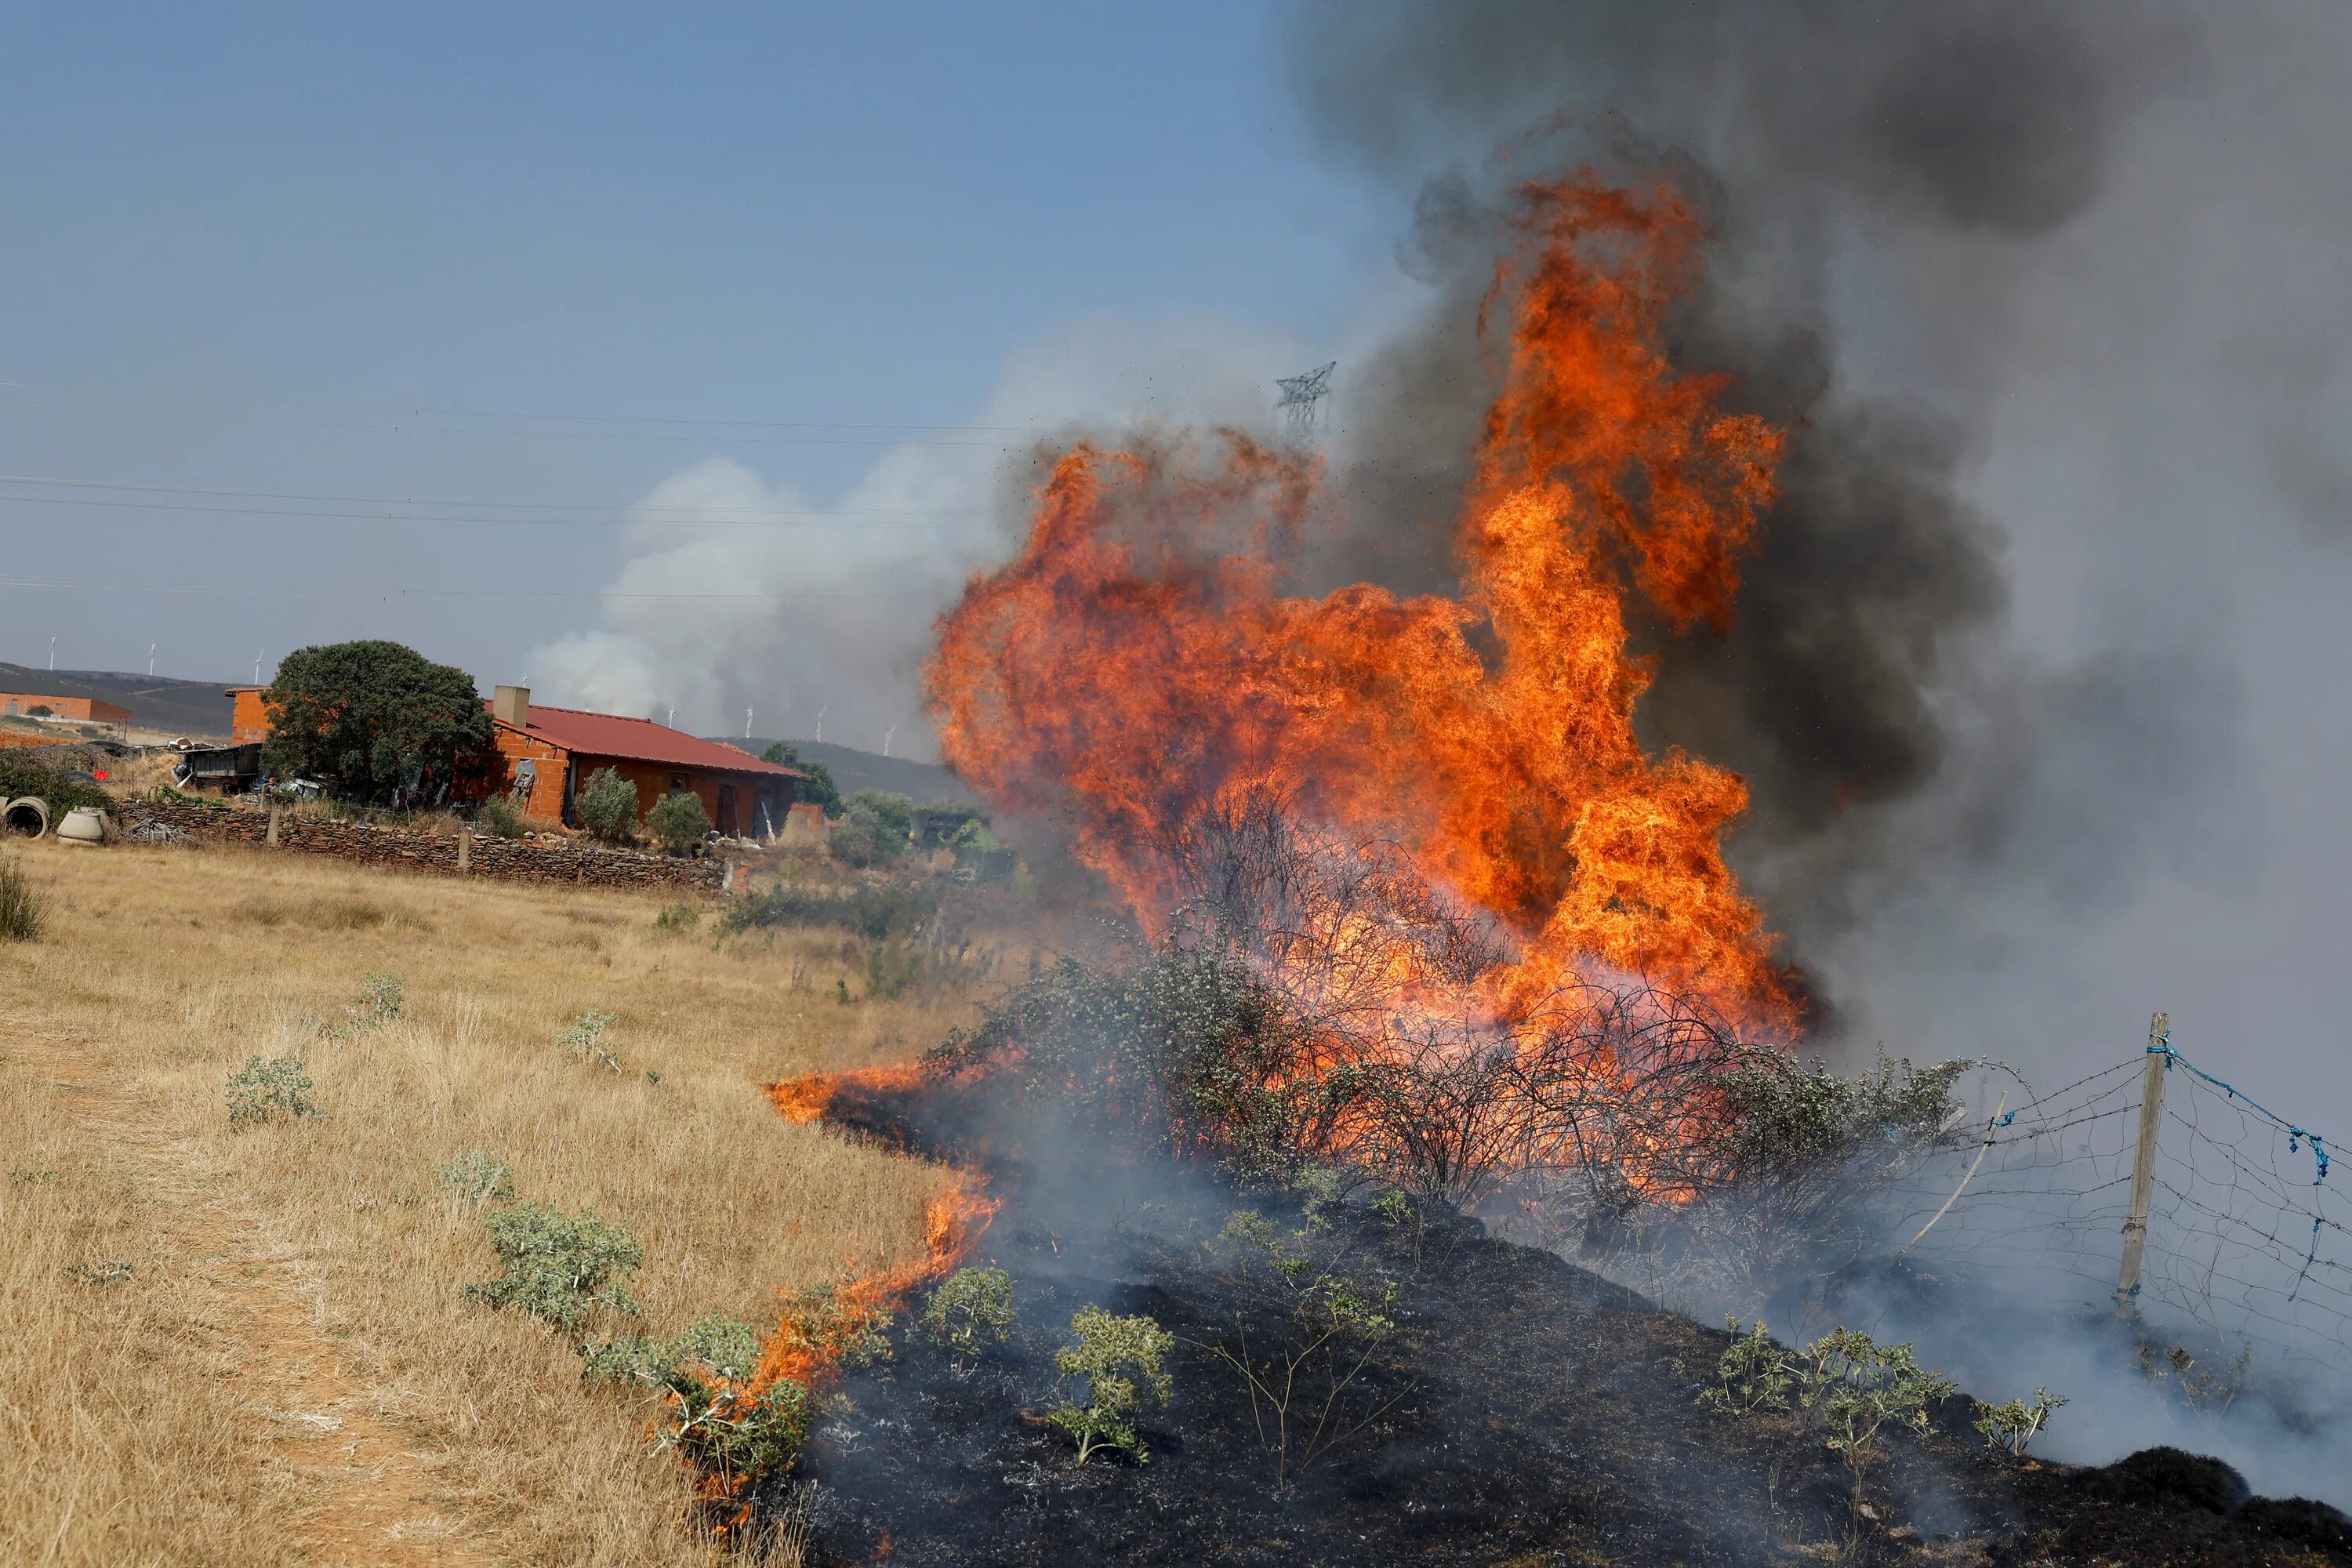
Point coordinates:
[(1534, 1413)]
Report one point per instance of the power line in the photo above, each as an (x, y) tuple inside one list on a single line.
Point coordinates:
[(412, 500), (419, 411), (403, 428), (231, 589)]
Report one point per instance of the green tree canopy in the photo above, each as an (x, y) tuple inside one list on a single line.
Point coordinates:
[(818, 786), (375, 721)]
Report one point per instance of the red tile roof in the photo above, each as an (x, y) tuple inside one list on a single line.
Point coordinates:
[(642, 741)]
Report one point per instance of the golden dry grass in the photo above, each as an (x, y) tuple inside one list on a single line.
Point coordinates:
[(290, 1374)]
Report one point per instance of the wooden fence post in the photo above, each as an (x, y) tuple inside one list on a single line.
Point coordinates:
[(2151, 1123)]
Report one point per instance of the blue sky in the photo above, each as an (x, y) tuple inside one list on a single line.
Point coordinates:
[(238, 241)]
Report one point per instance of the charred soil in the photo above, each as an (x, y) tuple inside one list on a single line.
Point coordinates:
[(1515, 1409)]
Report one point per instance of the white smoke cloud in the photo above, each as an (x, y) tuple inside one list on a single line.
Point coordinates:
[(834, 611)]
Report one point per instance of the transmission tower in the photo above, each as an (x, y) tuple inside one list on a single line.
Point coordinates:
[(1302, 399)]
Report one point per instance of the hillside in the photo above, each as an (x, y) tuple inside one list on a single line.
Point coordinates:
[(855, 770), (156, 701)]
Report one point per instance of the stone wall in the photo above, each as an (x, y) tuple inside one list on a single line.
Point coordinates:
[(513, 859)]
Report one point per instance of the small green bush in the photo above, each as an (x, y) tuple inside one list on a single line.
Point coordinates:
[(1752, 1375), (498, 816), (969, 1309), (584, 1041), (865, 836), (679, 821), (384, 993), (606, 804), (2014, 1423), (97, 1273), (874, 913), (23, 910), (678, 920), (260, 1090), (20, 777), (559, 1265), (476, 1176), (1119, 1359)]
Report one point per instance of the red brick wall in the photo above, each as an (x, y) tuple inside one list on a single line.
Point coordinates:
[(249, 721), (89, 709)]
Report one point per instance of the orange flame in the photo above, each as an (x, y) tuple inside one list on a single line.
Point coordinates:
[(1137, 661)]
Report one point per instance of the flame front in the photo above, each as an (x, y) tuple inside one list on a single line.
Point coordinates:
[(1139, 661)]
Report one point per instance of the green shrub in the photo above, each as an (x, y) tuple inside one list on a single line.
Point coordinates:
[(476, 1176), (864, 838), (263, 1090), (21, 776), (23, 910), (678, 920), (384, 993), (559, 1265), (606, 804), (969, 1309), (1846, 1385), (584, 1041), (498, 816), (679, 821), (2015, 1423), (1753, 1375), (1119, 1360), (875, 912), (818, 788)]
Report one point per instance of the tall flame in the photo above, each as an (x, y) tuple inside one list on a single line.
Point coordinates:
[(1140, 661)]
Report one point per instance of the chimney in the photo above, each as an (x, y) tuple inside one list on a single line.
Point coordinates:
[(511, 705)]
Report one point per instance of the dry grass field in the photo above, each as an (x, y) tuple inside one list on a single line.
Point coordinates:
[(288, 1372)]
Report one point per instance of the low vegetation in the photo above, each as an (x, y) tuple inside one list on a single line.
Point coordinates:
[(1117, 1364), (677, 821), (968, 1311), (499, 817), (291, 1295), (277, 1089), (23, 910), (606, 805), (559, 1267)]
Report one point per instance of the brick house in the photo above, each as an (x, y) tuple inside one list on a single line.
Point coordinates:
[(88, 710), (544, 754), (541, 755)]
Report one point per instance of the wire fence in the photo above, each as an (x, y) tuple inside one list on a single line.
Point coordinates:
[(2249, 1235)]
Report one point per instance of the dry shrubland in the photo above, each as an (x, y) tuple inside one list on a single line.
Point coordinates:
[(288, 1372)]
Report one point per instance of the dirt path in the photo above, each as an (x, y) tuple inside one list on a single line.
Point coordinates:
[(372, 1495)]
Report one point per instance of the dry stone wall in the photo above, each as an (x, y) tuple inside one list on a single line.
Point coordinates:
[(514, 860)]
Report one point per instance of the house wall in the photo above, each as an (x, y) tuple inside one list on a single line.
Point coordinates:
[(655, 780), (89, 709), (546, 798), (248, 720)]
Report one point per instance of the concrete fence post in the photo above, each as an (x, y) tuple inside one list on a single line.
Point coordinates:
[(272, 839), (464, 846)]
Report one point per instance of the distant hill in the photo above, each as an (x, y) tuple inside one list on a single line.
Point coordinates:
[(156, 701), (855, 770)]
